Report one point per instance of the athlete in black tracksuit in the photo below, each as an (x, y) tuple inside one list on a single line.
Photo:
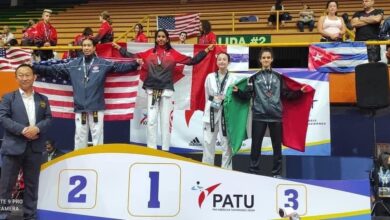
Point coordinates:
[(266, 88)]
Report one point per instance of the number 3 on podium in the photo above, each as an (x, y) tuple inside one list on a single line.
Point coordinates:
[(292, 196), (77, 189)]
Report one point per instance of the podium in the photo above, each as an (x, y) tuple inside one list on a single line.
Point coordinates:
[(132, 182)]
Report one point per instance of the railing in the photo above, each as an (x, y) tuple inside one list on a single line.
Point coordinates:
[(125, 35), (234, 15), (302, 44), (350, 33)]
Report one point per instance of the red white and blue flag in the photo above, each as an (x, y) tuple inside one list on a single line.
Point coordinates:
[(338, 57), (120, 92), (12, 57), (188, 23)]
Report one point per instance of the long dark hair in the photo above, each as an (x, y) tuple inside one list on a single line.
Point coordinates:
[(141, 28), (87, 31), (263, 50), (266, 49), (328, 3), (167, 45), (228, 56), (206, 27)]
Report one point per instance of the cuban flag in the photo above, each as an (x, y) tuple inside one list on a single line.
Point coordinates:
[(339, 57)]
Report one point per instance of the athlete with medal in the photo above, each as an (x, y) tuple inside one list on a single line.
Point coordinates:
[(214, 125), (266, 88), (160, 62)]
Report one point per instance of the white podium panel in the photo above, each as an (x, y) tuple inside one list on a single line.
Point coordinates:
[(132, 182)]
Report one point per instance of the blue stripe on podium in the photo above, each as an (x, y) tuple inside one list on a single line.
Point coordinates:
[(50, 215)]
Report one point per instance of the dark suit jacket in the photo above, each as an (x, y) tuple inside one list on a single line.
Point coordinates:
[(13, 118), (57, 153)]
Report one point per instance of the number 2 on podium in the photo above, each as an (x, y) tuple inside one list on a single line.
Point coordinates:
[(82, 182)]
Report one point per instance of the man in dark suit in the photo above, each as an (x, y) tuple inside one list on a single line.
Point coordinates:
[(25, 116), (51, 152)]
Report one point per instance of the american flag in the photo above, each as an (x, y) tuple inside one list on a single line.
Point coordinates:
[(182, 23), (120, 93), (13, 57)]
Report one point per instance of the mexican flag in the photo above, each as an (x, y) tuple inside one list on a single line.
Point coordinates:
[(295, 116)]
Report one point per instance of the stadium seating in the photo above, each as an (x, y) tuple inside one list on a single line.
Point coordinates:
[(70, 19)]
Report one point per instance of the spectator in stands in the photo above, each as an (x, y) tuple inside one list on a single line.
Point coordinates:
[(51, 151), (70, 53), (250, 18), (182, 37), (87, 75), (388, 54), (160, 63), (306, 17), (216, 86), (46, 35), (206, 35), (87, 33), (7, 36), (283, 17), (266, 88), (347, 21), (384, 33), (13, 42), (29, 24), (106, 33), (140, 37), (367, 23), (330, 26), (348, 36), (29, 33)]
